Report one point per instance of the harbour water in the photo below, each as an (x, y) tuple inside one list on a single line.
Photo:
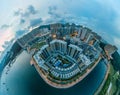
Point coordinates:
[(22, 79)]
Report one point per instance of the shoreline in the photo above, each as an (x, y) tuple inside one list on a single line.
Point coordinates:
[(104, 80), (10, 62), (60, 86)]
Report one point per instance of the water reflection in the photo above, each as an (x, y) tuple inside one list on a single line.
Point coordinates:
[(23, 79)]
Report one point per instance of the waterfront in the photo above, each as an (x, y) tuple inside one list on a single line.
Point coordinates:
[(23, 79)]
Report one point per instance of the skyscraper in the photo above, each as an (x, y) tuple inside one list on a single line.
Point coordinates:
[(84, 31), (90, 36)]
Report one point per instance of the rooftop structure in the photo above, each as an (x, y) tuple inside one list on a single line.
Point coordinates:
[(63, 53), (62, 60)]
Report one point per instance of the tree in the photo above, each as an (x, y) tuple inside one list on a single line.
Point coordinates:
[(116, 61)]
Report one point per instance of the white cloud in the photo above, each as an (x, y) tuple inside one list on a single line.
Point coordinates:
[(5, 35), (73, 12)]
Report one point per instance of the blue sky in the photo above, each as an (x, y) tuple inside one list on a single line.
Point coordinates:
[(18, 16)]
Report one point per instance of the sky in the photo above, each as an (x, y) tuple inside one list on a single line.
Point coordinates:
[(19, 16)]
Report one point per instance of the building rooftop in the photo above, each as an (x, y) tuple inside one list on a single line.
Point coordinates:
[(67, 54)]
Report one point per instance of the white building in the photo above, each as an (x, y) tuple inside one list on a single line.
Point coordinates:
[(40, 62), (73, 49), (58, 45), (85, 60)]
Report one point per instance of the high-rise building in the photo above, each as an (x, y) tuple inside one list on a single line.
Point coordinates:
[(72, 28), (52, 45), (109, 50), (79, 32), (55, 27), (73, 50), (90, 36), (58, 45), (48, 40), (84, 31)]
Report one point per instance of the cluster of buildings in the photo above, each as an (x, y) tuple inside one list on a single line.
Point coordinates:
[(76, 34), (33, 36), (83, 33), (69, 48), (61, 59), (68, 51), (59, 31)]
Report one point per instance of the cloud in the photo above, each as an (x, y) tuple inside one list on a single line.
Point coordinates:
[(27, 12), (51, 9), (22, 21), (101, 16), (117, 25), (5, 35), (20, 24), (55, 15), (31, 9), (5, 26), (19, 12), (35, 22)]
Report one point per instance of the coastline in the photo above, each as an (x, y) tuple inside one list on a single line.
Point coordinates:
[(10, 62), (60, 86), (104, 80)]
